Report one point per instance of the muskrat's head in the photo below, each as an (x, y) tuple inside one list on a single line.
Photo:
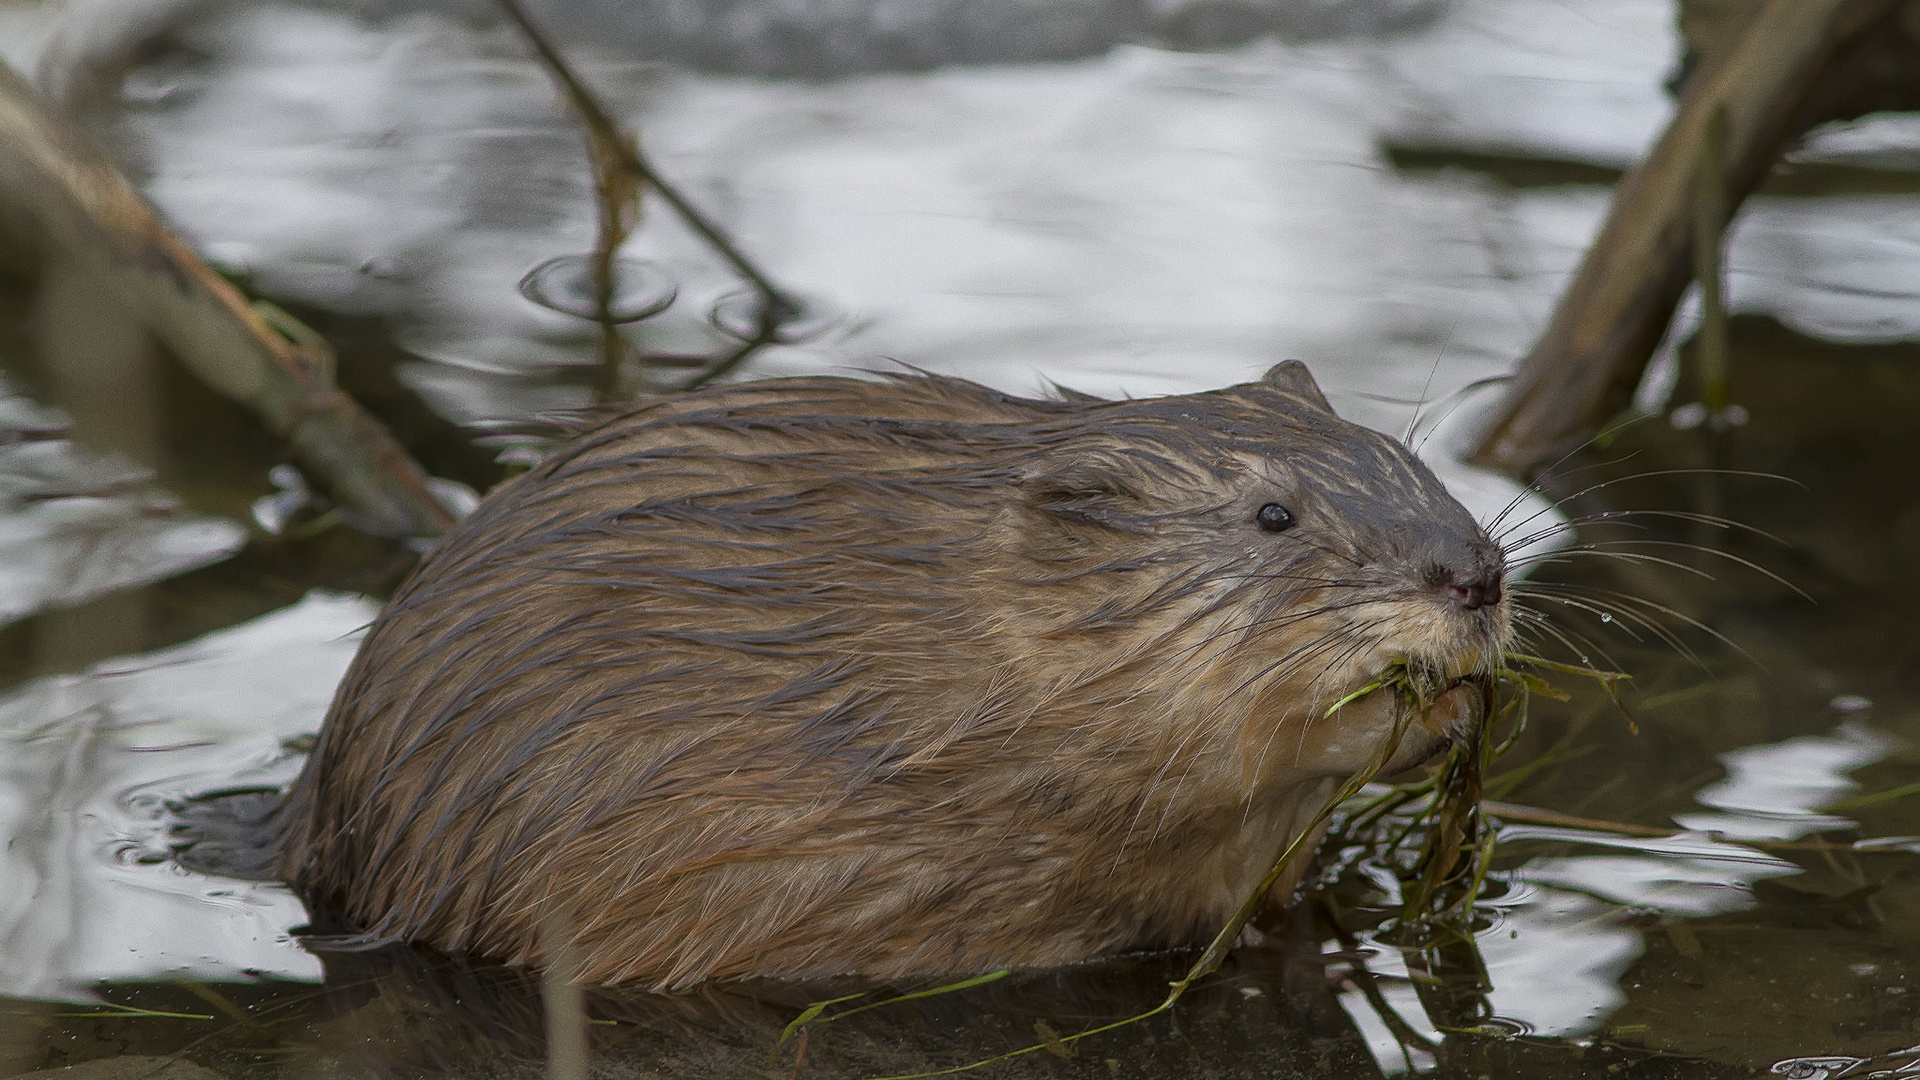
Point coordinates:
[(1276, 559)]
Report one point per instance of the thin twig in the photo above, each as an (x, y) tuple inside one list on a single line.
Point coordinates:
[(608, 133)]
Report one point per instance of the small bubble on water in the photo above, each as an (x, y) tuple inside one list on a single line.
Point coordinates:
[(566, 284), (737, 314), (1849, 703)]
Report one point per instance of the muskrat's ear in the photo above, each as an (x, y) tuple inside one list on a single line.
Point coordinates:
[(1293, 377), (1093, 489)]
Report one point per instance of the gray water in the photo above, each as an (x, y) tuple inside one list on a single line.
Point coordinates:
[(1398, 200)]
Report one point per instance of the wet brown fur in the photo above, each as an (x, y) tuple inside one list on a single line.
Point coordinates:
[(819, 676)]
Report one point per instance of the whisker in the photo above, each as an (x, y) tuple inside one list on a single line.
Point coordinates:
[(1548, 472), (1584, 649), (1460, 400), (1567, 555), (1591, 488), (1717, 553), (1625, 620), (1662, 609)]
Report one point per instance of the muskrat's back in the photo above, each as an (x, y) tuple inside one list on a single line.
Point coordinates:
[(823, 676)]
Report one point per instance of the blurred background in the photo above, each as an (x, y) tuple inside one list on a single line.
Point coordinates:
[(1122, 197)]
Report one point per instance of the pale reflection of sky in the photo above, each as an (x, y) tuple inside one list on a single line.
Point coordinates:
[(1775, 791), (1684, 875), (1556, 953), (1390, 1050), (1554, 958), (75, 525), (1846, 269), (1876, 141), (85, 761)]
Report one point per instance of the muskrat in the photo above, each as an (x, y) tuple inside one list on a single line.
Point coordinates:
[(901, 678)]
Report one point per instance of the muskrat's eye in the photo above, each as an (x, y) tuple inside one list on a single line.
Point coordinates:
[(1274, 518)]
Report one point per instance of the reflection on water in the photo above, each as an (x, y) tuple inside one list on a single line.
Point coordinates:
[(1776, 791), (1568, 944), (90, 761), (76, 524), (1685, 875), (1134, 221)]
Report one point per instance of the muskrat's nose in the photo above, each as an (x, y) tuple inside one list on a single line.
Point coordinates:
[(1476, 592)]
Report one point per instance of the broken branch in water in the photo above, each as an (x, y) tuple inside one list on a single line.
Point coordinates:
[(85, 217), (1584, 367)]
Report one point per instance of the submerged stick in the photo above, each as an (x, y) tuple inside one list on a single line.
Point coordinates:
[(79, 210), (1585, 366)]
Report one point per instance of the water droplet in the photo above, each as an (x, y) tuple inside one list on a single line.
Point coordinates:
[(738, 315), (1606, 616), (1849, 703), (566, 284)]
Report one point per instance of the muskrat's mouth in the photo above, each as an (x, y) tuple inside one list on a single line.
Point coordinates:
[(1445, 703), (1394, 721), (1422, 682)]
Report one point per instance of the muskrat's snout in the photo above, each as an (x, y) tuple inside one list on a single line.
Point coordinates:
[(1460, 621), (1474, 589), (1463, 565)]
